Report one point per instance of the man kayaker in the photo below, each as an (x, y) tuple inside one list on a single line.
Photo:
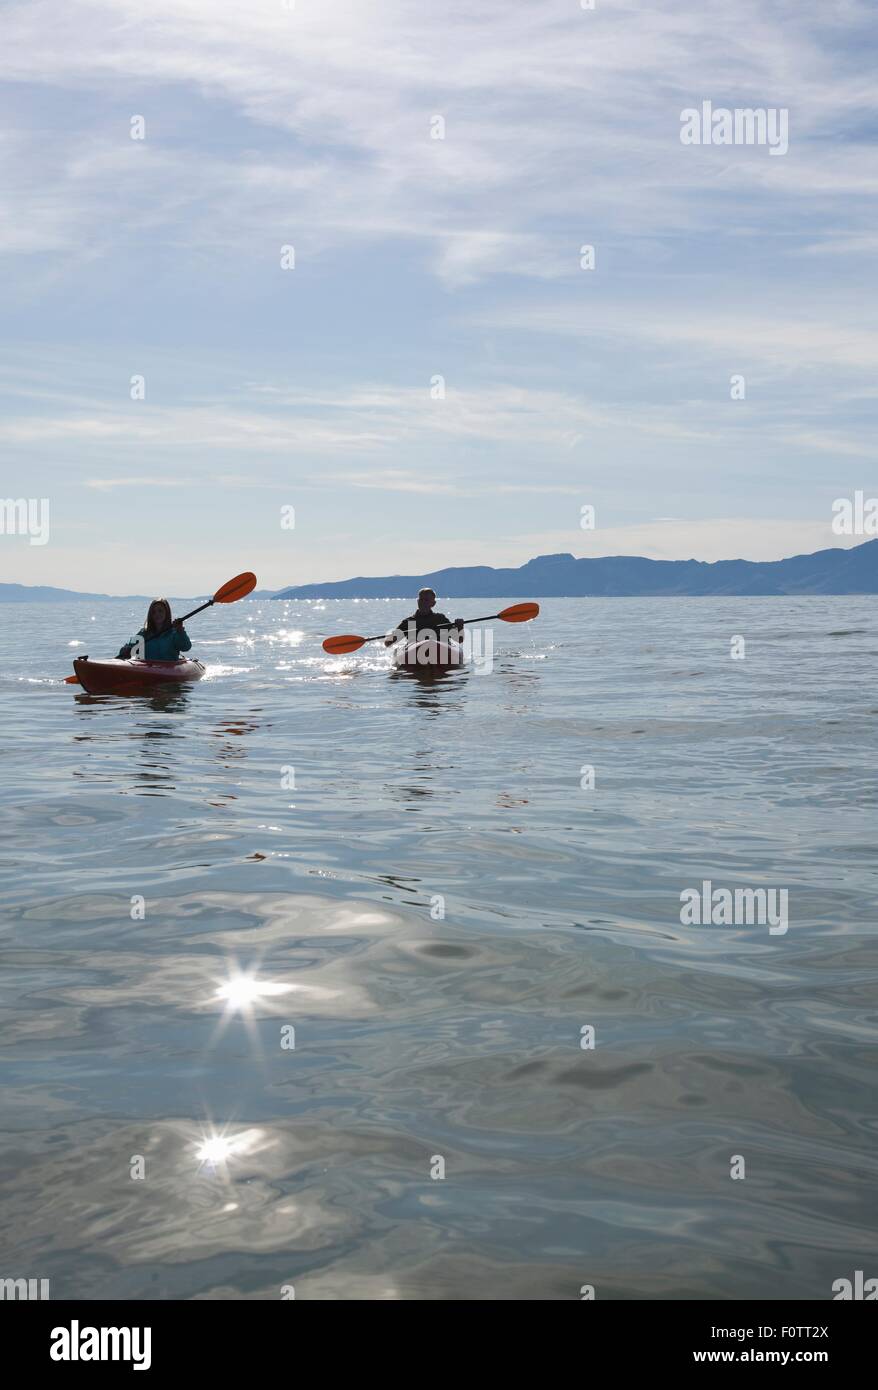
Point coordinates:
[(160, 639), (424, 620)]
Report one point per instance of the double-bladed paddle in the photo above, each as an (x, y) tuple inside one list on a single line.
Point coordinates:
[(231, 591), (518, 613)]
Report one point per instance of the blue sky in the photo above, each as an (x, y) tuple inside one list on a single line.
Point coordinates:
[(309, 125)]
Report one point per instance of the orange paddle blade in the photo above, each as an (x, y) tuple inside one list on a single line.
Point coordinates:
[(520, 612), (338, 646), (239, 587)]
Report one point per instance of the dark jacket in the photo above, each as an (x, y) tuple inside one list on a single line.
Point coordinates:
[(428, 621)]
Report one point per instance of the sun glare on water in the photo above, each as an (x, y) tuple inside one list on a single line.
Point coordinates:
[(241, 992), (216, 1150)]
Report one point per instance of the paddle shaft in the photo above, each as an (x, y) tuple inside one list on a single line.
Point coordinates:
[(246, 581), (209, 604), (439, 626)]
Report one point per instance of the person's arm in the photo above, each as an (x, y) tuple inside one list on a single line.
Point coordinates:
[(396, 635), (182, 640), (127, 648), (453, 627)]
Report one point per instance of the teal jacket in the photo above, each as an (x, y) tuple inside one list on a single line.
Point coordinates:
[(167, 646)]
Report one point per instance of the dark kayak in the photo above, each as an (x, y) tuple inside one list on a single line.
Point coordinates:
[(115, 677)]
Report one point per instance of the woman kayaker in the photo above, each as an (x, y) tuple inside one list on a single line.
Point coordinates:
[(160, 639)]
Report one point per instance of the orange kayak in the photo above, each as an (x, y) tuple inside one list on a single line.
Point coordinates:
[(116, 677)]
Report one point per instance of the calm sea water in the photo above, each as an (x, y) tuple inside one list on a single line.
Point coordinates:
[(193, 883)]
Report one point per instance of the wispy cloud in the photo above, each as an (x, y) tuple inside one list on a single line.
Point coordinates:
[(419, 257), (737, 338), (551, 115), (102, 484), (363, 419)]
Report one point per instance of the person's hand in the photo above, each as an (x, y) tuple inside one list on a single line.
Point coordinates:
[(458, 623), (178, 624)]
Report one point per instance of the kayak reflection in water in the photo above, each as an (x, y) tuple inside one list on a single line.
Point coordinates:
[(425, 622), (160, 639)]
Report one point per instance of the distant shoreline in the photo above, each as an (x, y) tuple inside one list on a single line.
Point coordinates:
[(839, 571)]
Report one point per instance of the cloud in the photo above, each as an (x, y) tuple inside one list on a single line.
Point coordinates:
[(740, 338), (312, 126), (554, 117), (102, 484), (337, 422)]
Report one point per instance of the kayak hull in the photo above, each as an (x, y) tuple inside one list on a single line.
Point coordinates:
[(428, 655), (116, 677)]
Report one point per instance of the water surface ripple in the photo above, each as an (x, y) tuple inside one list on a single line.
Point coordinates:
[(295, 826)]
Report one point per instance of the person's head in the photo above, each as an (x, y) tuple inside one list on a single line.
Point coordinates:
[(158, 617), (427, 598)]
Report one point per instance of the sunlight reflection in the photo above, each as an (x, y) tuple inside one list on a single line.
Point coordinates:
[(241, 991), (214, 1148), (246, 995)]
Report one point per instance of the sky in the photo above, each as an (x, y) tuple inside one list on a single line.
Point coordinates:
[(429, 377)]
